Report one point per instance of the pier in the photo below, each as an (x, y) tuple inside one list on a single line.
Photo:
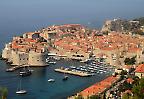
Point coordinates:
[(78, 73), (14, 68)]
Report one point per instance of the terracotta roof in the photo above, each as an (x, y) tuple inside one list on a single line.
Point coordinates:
[(127, 66), (129, 80), (140, 68), (132, 50), (128, 91), (29, 40), (98, 87)]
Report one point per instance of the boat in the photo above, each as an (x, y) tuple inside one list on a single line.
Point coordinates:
[(51, 62), (90, 68), (73, 67), (31, 70), (101, 70), (82, 69), (25, 72), (9, 70), (92, 71), (78, 68), (65, 78), (51, 80), (20, 90)]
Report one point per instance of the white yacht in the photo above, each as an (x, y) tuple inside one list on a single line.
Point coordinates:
[(51, 80)]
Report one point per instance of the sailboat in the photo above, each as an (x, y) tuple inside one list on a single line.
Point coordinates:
[(20, 90)]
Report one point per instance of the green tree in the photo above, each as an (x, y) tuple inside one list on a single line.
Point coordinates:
[(125, 96), (94, 97), (138, 89), (136, 80), (130, 61), (3, 93), (79, 97)]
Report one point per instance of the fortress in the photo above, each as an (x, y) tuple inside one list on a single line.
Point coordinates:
[(32, 53), (73, 41)]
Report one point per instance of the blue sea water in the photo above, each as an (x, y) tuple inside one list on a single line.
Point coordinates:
[(19, 16), (38, 86)]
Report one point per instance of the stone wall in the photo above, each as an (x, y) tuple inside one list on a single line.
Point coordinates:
[(6, 52), (37, 59), (19, 58)]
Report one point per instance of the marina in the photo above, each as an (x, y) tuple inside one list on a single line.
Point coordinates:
[(41, 76), (93, 68)]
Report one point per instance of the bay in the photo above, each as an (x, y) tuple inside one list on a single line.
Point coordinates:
[(19, 16)]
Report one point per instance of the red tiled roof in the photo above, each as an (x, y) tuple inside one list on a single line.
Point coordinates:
[(129, 80), (140, 68), (128, 91), (127, 66), (98, 87)]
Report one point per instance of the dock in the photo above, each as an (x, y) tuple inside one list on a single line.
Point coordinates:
[(78, 73), (14, 68)]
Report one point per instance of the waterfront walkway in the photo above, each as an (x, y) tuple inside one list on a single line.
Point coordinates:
[(78, 73)]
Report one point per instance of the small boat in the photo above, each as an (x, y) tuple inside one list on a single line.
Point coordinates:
[(51, 62), (20, 90), (31, 70), (92, 71), (93, 74), (101, 72), (73, 70), (73, 67), (82, 69), (78, 68), (85, 70), (51, 80), (90, 68), (65, 78), (9, 70)]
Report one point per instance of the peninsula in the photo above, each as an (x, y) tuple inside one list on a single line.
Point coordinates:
[(74, 41)]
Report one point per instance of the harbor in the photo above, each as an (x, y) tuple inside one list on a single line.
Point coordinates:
[(41, 77), (86, 70)]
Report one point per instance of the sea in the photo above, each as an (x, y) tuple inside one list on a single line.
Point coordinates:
[(20, 16)]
